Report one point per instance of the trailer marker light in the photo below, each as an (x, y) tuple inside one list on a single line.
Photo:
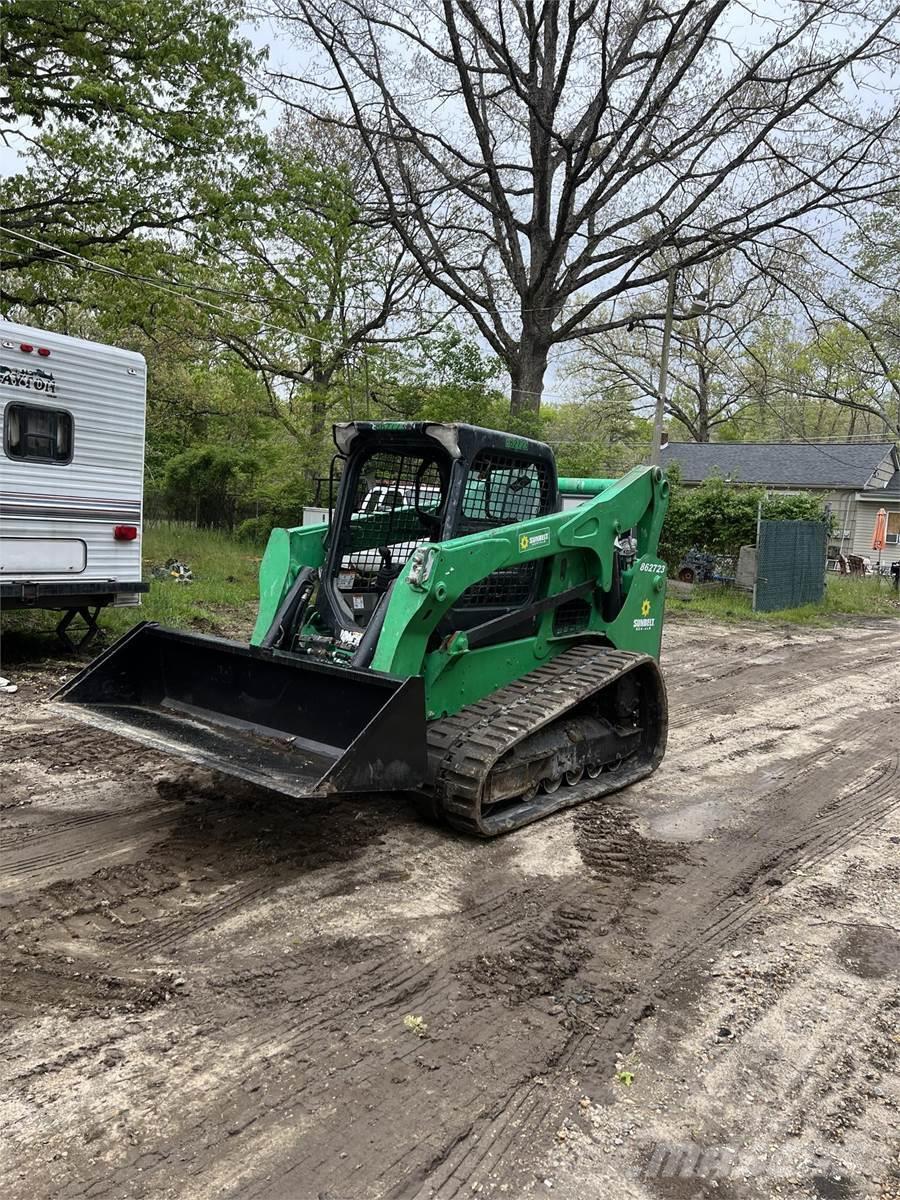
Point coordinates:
[(43, 352), (25, 348), (125, 533)]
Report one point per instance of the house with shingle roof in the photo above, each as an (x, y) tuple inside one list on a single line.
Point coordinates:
[(856, 479)]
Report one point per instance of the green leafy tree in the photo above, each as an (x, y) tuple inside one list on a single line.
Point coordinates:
[(600, 435), (821, 381), (130, 116), (317, 282), (445, 377)]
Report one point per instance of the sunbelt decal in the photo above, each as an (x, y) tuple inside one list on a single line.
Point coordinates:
[(644, 621), (531, 541)]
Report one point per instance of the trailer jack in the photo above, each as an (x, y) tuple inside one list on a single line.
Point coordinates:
[(87, 638)]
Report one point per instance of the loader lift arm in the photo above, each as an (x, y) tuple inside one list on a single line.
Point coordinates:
[(579, 548)]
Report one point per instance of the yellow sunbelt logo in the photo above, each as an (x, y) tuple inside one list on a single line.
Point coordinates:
[(531, 541), (644, 621)]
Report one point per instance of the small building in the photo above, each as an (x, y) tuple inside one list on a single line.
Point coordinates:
[(855, 479)]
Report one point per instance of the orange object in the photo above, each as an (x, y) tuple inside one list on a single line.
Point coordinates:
[(879, 537)]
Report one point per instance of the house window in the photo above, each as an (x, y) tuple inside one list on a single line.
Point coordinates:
[(892, 536), (41, 434)]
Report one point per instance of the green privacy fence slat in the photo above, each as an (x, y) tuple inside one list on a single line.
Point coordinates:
[(790, 564)]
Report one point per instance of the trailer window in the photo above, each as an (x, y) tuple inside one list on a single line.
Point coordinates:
[(43, 434)]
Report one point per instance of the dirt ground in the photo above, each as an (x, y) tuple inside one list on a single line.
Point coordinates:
[(693, 991)]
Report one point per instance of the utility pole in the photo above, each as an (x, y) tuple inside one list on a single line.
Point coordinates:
[(661, 397)]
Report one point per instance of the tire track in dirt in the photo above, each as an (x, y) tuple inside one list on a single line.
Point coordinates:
[(387, 989), (62, 747), (123, 1179), (300, 1051), (705, 695), (28, 859), (34, 836), (311, 1040), (525, 1117), (470, 1098), (613, 865), (806, 789)]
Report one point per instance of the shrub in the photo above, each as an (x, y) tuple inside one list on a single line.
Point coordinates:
[(257, 529), (720, 517), (206, 483)]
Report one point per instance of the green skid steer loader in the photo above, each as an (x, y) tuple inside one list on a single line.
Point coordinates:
[(452, 632)]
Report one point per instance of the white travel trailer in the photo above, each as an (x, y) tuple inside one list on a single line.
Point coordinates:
[(71, 474)]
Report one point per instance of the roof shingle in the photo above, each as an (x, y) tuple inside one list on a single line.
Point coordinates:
[(779, 464)]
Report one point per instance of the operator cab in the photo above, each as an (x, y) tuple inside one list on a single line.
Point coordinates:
[(405, 484)]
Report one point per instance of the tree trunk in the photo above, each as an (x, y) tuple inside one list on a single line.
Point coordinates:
[(317, 422), (318, 399), (318, 409), (527, 370)]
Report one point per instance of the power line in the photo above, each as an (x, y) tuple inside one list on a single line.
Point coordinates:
[(92, 265), (360, 307), (148, 281), (802, 440)]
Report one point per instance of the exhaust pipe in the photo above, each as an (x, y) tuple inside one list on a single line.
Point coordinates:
[(289, 724)]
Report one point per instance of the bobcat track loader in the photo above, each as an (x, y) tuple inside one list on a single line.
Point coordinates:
[(469, 642)]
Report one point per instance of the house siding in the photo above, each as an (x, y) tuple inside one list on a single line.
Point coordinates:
[(883, 473), (854, 519), (866, 513)]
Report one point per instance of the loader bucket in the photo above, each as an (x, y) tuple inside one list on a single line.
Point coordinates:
[(292, 725)]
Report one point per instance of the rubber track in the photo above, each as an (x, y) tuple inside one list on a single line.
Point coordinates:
[(464, 748)]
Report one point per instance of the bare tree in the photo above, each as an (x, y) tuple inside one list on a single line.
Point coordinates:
[(846, 303), (720, 305), (827, 378), (539, 159), (853, 317)]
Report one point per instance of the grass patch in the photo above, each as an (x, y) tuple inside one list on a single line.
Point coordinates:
[(224, 590), (222, 598), (843, 597)]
